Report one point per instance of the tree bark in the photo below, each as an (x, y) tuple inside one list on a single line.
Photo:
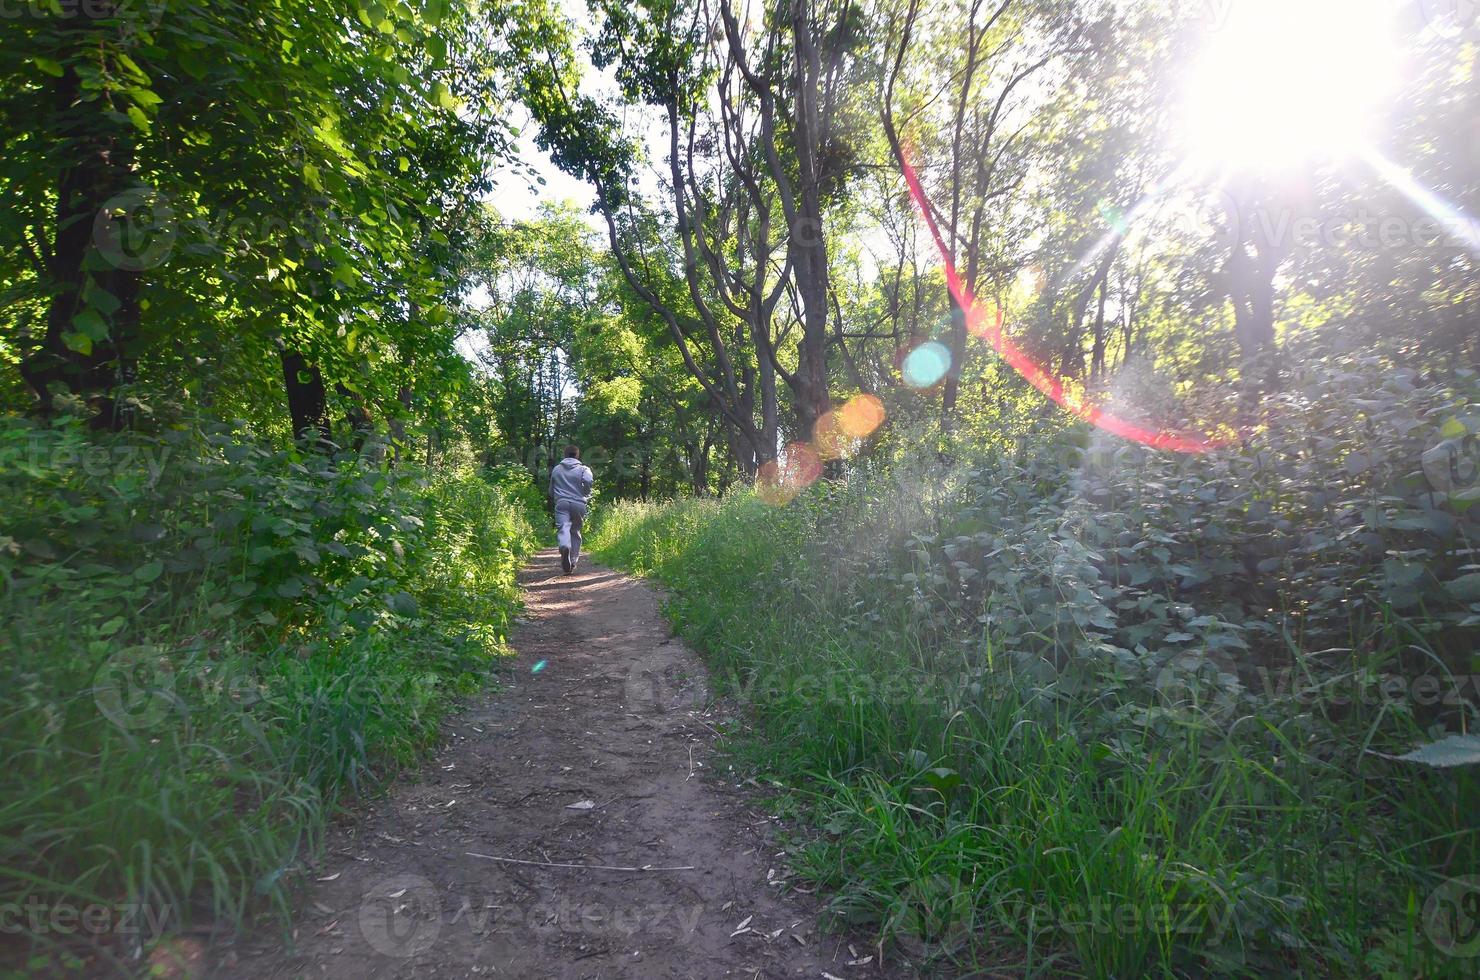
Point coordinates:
[(308, 404), (1254, 259), (103, 153)]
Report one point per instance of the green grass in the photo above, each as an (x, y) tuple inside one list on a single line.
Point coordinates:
[(982, 817), (199, 665)]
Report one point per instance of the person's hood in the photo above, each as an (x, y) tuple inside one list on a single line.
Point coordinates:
[(571, 461)]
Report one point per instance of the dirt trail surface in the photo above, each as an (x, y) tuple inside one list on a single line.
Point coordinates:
[(602, 756)]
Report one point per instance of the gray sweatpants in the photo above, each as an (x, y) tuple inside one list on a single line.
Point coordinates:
[(568, 517)]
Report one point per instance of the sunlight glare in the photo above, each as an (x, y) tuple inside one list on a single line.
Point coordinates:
[(1450, 217), (1283, 82)]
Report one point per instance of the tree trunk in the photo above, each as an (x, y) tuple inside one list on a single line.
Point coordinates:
[(103, 153), (308, 405), (950, 391), (1254, 260), (808, 242)]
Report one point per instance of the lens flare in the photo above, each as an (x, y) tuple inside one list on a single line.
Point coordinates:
[(1032, 372), (925, 365), (779, 480), (828, 437), (861, 415), (1453, 219), (984, 321), (770, 487), (1113, 216)]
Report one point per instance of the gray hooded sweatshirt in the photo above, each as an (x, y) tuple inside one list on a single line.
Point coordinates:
[(571, 480)]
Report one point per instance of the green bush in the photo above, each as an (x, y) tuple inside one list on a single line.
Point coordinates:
[(1114, 708), (207, 642)]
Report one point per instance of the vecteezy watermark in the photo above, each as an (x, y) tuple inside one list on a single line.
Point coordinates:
[(37, 916), (1373, 690), (127, 13), (142, 228), (404, 915), (135, 231), (937, 918), (939, 915), (135, 688), (1453, 464), (1451, 916), (655, 682), (1357, 225), (401, 916), (647, 685), (139, 687), (40, 453), (658, 681), (1232, 220), (1216, 13)]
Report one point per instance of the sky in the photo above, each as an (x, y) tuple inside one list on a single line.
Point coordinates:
[(518, 198)]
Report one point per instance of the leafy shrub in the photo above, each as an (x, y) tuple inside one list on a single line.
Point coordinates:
[(207, 642), (1067, 679)]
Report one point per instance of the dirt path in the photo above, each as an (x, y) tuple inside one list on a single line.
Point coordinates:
[(602, 756)]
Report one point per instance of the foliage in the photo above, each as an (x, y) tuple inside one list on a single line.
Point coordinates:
[(569, 353), (1113, 712), (209, 642), (196, 191)]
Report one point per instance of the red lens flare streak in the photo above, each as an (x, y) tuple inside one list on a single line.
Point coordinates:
[(986, 322)]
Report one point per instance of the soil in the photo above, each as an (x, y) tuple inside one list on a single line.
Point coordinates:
[(595, 752)]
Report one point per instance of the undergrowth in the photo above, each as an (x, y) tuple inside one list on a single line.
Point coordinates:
[(1062, 708), (206, 644)]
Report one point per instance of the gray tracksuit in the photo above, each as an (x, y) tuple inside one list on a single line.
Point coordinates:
[(571, 480), (570, 487)]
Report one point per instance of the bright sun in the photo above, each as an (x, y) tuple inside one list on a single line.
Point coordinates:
[(1284, 82)]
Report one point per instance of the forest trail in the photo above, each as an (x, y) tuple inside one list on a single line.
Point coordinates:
[(603, 756)]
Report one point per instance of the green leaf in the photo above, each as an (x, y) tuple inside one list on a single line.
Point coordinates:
[(144, 97), (100, 299), (130, 64), (137, 117), (194, 63), (1456, 750), (443, 97), (80, 342), (943, 780), (1466, 588), (52, 68), (89, 322), (149, 571), (1453, 428)]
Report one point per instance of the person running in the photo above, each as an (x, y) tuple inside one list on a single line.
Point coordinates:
[(570, 490)]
